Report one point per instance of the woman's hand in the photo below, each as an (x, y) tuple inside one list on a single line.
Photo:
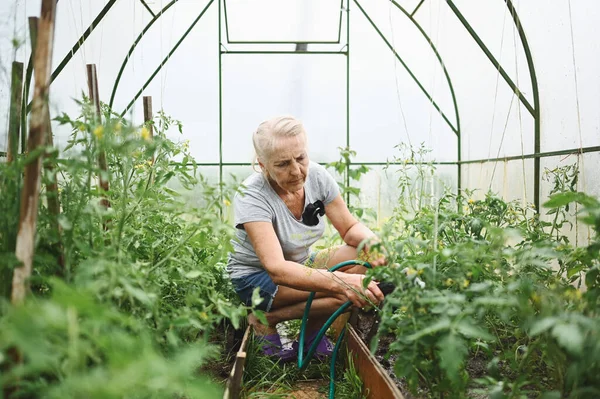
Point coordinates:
[(352, 286)]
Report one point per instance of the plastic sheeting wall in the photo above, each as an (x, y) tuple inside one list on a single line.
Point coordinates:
[(387, 107)]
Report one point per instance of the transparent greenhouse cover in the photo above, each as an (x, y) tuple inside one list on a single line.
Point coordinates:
[(458, 68)]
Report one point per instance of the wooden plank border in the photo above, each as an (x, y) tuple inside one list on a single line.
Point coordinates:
[(377, 383), (234, 382)]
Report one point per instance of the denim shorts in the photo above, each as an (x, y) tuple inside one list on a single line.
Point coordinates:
[(244, 286)]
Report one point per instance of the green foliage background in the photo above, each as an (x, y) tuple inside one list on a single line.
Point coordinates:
[(131, 311)]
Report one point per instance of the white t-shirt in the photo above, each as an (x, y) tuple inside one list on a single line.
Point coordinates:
[(258, 202)]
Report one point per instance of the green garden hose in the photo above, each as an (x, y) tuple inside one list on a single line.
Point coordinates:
[(303, 361)]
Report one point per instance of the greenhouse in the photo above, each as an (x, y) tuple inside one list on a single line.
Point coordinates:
[(299, 199)]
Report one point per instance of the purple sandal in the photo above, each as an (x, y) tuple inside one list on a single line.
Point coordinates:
[(272, 347), (324, 348)]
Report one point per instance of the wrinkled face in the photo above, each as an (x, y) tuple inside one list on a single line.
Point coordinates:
[(287, 164)]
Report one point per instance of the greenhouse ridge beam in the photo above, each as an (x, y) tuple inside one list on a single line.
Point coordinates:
[(279, 41), (539, 155), (571, 151), (282, 52)]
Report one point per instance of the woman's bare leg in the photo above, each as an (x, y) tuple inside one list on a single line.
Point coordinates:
[(289, 303)]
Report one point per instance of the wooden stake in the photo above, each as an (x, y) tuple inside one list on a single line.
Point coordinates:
[(148, 117), (37, 136), (234, 382), (52, 196), (14, 124), (148, 114), (92, 78)]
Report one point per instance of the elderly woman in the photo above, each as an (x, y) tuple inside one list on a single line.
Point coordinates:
[(276, 217)]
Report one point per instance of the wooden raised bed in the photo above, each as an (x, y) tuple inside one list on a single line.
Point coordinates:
[(377, 384)]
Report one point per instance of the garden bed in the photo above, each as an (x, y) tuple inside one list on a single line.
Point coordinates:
[(376, 383)]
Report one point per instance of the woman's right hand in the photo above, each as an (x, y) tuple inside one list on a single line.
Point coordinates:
[(352, 287)]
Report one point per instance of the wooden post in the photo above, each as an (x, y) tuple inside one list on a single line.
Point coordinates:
[(14, 124), (30, 193), (148, 117), (148, 114), (52, 196), (92, 78)]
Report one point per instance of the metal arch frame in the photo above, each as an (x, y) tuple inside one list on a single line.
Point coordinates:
[(456, 129), (534, 110)]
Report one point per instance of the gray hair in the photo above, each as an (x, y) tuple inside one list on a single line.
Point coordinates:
[(272, 129)]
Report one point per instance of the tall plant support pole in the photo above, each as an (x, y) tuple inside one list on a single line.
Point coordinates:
[(347, 96), (147, 100), (52, 196), (16, 88), (220, 107), (30, 193), (92, 79)]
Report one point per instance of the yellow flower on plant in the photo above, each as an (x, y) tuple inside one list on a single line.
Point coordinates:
[(471, 201), (99, 132), (226, 202), (448, 282), (466, 283), (403, 308), (145, 133), (81, 127)]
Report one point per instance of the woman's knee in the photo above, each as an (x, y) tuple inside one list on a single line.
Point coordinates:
[(332, 256)]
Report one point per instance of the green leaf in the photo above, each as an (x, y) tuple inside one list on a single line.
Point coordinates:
[(193, 274), (440, 325), (561, 199), (569, 337), (452, 351), (574, 270), (64, 222), (542, 325), (471, 331)]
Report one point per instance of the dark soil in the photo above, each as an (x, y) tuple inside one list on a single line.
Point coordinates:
[(228, 340)]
